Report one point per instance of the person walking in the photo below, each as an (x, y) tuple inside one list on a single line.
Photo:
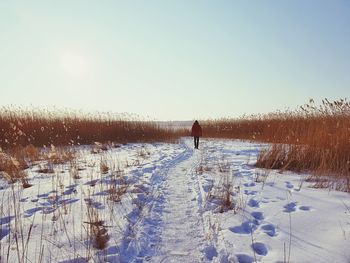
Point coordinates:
[(196, 133)]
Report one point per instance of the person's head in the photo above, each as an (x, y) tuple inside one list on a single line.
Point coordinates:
[(196, 122)]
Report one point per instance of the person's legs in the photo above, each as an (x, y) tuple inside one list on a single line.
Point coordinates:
[(196, 142)]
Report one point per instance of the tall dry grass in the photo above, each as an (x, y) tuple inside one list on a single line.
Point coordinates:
[(23, 131), (312, 138), (44, 127)]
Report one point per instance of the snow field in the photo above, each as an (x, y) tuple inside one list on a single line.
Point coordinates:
[(170, 203)]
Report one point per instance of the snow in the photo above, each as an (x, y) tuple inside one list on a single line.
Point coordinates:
[(166, 203)]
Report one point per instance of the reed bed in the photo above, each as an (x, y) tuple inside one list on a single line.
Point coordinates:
[(314, 138), (20, 127), (30, 135)]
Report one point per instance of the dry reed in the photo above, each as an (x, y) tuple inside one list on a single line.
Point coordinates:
[(20, 127), (314, 138)]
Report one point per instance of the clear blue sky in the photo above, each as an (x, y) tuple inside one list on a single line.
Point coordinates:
[(174, 60)]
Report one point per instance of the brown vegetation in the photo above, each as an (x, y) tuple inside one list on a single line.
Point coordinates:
[(12, 166), (313, 138), (23, 131), (16, 160), (45, 128), (97, 231), (104, 166)]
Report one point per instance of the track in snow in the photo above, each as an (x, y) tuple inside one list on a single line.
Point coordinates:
[(172, 229), (182, 235)]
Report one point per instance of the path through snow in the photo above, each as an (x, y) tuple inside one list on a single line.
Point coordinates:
[(182, 235)]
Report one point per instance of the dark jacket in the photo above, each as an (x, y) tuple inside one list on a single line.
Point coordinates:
[(196, 130)]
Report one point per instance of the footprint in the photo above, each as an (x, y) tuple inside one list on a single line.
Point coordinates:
[(43, 195), (91, 183), (71, 186), (260, 248), (207, 187), (289, 185), (269, 229), (305, 208), (68, 201), (290, 207), (243, 258), (258, 215), (6, 219), (210, 252), (70, 191), (249, 184), (4, 232), (253, 203), (249, 192), (32, 211), (247, 227), (102, 193)]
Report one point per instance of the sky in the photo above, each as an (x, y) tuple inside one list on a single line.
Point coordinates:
[(174, 60)]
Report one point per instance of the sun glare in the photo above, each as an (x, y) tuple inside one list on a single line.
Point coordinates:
[(74, 64)]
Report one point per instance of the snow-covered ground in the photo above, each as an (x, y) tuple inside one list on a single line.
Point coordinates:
[(169, 203)]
